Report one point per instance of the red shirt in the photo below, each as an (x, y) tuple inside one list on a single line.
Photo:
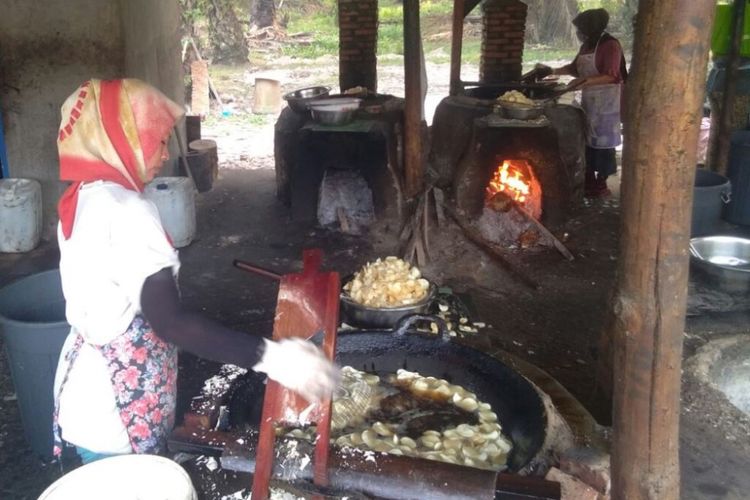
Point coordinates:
[(608, 59)]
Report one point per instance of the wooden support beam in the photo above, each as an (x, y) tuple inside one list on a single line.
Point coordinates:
[(457, 33), (413, 154), (665, 94), (719, 159)]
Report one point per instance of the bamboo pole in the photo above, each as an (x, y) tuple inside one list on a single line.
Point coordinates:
[(413, 156), (457, 33), (720, 153), (665, 94)]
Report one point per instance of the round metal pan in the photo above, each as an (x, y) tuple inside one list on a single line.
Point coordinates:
[(515, 400)]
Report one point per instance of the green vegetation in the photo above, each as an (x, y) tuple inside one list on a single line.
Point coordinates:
[(322, 24), (214, 119), (435, 17), (311, 27)]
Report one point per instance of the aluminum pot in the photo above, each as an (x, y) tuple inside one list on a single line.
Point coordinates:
[(362, 316), (519, 112), (334, 110), (299, 99), (723, 260)]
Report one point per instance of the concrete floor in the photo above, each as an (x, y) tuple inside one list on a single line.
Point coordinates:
[(555, 327)]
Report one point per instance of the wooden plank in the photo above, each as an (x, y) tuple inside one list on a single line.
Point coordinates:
[(457, 33), (210, 83), (199, 102), (665, 93), (413, 154), (308, 303)]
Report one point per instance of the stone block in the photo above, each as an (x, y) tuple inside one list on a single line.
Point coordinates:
[(590, 466), (572, 488)]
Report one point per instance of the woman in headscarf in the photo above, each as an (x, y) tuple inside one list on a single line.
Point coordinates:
[(115, 386), (600, 73)]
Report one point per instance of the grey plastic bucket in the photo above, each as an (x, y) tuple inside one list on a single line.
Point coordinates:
[(711, 192), (738, 210), (32, 321)]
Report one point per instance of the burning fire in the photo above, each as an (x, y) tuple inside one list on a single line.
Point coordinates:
[(511, 180)]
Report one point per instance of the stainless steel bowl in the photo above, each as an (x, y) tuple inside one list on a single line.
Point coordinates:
[(724, 260), (362, 316), (334, 110), (299, 99), (519, 111)]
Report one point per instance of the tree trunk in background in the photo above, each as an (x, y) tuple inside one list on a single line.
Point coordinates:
[(188, 12), (226, 33), (263, 13), (664, 101), (549, 22)]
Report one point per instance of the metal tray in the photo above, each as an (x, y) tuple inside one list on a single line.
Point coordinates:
[(724, 260)]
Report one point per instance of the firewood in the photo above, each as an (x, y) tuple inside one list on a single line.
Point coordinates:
[(415, 250), (343, 220), (500, 202), (556, 242), (437, 193), (426, 223)]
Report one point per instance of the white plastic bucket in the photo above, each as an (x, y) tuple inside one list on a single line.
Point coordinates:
[(124, 477), (20, 215), (175, 199)]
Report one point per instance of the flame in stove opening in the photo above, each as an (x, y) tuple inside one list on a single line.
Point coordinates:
[(510, 180)]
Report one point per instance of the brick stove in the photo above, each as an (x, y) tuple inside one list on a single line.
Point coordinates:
[(470, 142), (534, 145), (365, 153), (507, 177)]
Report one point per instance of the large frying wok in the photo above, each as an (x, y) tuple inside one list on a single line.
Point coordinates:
[(516, 402)]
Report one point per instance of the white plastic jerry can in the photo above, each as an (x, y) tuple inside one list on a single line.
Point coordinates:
[(20, 215)]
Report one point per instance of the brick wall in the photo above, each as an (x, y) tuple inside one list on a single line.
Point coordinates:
[(503, 29), (358, 39)]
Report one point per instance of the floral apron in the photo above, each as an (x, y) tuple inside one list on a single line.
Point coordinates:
[(143, 370), (601, 104)]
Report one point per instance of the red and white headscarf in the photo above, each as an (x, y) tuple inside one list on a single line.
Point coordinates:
[(108, 130)]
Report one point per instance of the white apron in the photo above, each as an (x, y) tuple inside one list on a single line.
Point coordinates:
[(601, 104)]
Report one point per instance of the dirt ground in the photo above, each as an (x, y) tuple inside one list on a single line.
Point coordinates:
[(555, 327)]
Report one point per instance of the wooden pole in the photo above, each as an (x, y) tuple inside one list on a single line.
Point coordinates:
[(457, 34), (665, 94), (413, 157), (720, 153)]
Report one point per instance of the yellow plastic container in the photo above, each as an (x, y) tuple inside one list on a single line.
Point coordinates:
[(721, 37)]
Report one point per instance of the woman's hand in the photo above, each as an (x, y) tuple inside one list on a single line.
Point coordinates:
[(542, 71), (300, 366), (575, 84)]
